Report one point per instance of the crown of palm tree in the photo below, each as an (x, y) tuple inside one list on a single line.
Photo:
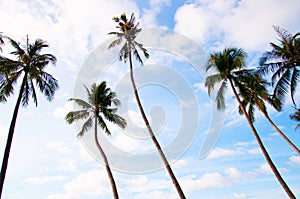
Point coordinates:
[(255, 93), (226, 64), (128, 31), (284, 62), (30, 62), (99, 105)]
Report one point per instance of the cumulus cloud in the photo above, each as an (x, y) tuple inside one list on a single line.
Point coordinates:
[(67, 165), (266, 169), (61, 112), (90, 183), (215, 180), (295, 160), (239, 196), (221, 152), (44, 180), (231, 23), (60, 147)]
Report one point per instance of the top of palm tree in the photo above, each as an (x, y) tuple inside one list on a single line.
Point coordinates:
[(30, 62), (255, 93), (284, 62), (99, 105), (128, 30), (227, 64)]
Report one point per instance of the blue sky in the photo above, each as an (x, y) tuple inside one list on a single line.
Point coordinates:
[(47, 159)]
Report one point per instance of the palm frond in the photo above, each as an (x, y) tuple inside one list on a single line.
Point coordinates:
[(220, 96), (210, 82), (77, 115), (294, 82), (86, 126), (81, 103), (103, 125), (115, 43), (282, 86)]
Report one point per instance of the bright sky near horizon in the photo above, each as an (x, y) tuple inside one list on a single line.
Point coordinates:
[(48, 161)]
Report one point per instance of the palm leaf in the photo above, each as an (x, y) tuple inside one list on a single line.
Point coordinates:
[(81, 103), (86, 126)]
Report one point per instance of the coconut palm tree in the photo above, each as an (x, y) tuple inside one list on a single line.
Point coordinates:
[(97, 109), (227, 63), (126, 36), (29, 65), (284, 62), (255, 94), (296, 116)]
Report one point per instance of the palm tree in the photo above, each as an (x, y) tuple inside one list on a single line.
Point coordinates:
[(128, 31), (97, 108), (30, 64), (284, 62), (227, 64), (296, 116), (255, 94)]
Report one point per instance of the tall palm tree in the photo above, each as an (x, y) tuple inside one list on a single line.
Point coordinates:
[(29, 65), (255, 94), (128, 31), (227, 63), (97, 108), (284, 62), (296, 116)]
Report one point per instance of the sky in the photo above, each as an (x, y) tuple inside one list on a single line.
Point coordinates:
[(213, 154)]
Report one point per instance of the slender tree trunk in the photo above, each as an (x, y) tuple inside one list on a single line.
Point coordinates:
[(109, 173), (157, 145), (282, 134), (265, 153), (10, 135)]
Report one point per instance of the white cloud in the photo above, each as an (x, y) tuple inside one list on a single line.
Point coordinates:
[(215, 180), (266, 169), (44, 180), (254, 151), (136, 118), (156, 195), (228, 23), (220, 152), (63, 196), (67, 165), (90, 183), (243, 144), (61, 112), (149, 18), (295, 160), (200, 87), (60, 147), (239, 196)]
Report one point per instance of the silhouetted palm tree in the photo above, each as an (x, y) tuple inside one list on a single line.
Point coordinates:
[(227, 64), (255, 94), (98, 108), (126, 36), (284, 62), (29, 65)]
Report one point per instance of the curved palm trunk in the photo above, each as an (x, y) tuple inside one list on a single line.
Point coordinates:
[(157, 145), (10, 136), (281, 133), (109, 173), (265, 153)]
